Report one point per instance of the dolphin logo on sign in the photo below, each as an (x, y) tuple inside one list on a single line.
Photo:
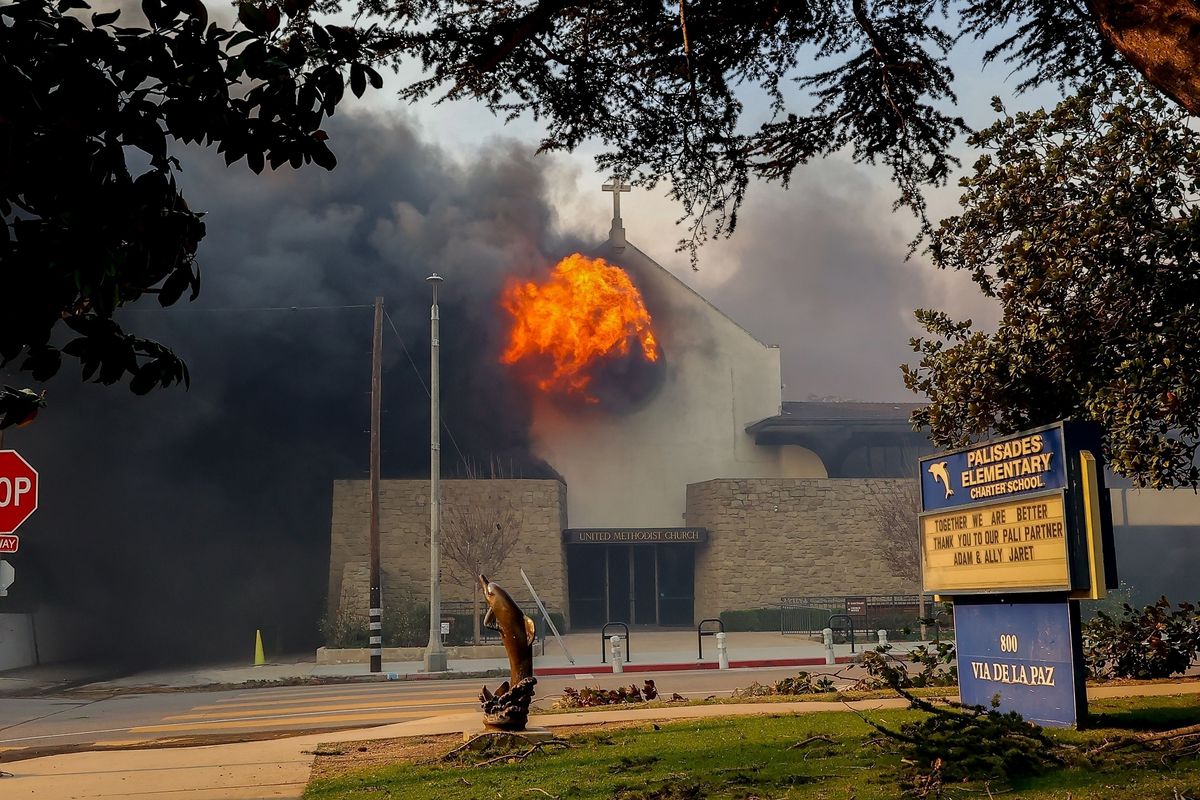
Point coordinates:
[(940, 475)]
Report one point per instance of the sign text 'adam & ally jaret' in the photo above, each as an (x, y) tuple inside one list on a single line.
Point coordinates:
[(1016, 530)]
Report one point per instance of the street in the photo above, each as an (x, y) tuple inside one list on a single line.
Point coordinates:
[(36, 726)]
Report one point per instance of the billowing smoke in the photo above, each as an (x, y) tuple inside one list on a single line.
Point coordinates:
[(173, 526), (819, 269)]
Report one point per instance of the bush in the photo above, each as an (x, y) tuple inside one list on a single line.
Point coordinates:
[(1155, 642), (344, 630), (405, 625), (588, 696), (802, 683), (754, 619)]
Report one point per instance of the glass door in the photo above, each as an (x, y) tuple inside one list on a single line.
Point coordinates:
[(618, 582), (645, 584), (676, 584), (587, 584)]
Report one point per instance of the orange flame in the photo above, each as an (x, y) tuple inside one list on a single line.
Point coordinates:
[(586, 310)]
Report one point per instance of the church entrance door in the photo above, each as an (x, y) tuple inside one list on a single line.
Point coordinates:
[(638, 584)]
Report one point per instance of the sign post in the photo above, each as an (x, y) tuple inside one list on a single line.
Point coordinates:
[(1016, 530), (18, 496)]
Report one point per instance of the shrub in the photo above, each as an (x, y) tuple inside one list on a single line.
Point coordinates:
[(1156, 642), (589, 696), (754, 619), (345, 629), (801, 683), (404, 625)]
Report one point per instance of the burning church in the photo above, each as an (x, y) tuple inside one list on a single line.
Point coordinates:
[(685, 485)]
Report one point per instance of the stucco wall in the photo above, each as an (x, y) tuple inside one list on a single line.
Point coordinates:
[(630, 468), (404, 540), (769, 538), (16, 641)]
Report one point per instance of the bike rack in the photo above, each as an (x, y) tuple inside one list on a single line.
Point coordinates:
[(701, 633), (849, 623), (604, 638)]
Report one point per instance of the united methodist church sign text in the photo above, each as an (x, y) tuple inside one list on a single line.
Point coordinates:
[(635, 535)]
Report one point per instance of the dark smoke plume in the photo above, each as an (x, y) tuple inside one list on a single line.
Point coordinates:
[(173, 526)]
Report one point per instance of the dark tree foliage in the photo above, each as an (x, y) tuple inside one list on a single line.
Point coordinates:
[(1153, 642), (1083, 223), (91, 218), (662, 85)]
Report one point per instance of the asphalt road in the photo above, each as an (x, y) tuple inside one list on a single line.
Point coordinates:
[(36, 726)]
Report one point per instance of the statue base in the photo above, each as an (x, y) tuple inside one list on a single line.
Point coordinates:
[(529, 734), (508, 708)]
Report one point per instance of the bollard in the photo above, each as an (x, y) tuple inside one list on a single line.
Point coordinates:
[(828, 634), (722, 652), (883, 638), (615, 643)]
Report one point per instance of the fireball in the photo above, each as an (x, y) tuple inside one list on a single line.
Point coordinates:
[(586, 311)]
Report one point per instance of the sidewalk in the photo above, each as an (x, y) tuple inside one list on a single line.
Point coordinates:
[(651, 651), (280, 768)]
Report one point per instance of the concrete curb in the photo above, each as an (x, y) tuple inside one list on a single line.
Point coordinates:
[(605, 669)]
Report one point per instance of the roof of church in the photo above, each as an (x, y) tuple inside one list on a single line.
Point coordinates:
[(813, 410), (807, 416), (682, 283)]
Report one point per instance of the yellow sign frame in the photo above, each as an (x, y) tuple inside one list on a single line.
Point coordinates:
[(1014, 545)]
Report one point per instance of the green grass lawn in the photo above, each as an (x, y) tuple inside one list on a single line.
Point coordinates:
[(748, 758)]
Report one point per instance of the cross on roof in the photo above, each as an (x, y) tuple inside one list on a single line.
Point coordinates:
[(616, 186)]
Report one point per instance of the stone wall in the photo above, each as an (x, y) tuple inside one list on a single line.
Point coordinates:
[(404, 540), (774, 537)]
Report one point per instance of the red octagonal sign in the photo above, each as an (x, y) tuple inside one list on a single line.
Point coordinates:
[(18, 490)]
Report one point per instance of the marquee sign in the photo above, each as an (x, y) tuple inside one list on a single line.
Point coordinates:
[(635, 535), (1014, 529), (1012, 515)]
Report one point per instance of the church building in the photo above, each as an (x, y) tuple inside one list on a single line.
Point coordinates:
[(688, 486)]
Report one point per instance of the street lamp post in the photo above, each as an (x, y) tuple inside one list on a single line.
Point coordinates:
[(435, 654)]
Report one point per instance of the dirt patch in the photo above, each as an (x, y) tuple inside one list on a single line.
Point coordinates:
[(341, 758)]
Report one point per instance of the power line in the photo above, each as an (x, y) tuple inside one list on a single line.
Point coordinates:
[(252, 308), (445, 427)]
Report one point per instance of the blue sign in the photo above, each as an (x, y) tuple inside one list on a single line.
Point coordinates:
[(1033, 461), (1027, 654)]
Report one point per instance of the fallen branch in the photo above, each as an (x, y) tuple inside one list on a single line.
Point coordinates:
[(474, 741), (810, 740), (522, 756), (1146, 738)]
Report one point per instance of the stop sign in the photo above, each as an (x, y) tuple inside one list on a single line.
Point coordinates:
[(18, 490)]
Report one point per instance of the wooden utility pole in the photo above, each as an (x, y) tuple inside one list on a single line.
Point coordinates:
[(376, 593)]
